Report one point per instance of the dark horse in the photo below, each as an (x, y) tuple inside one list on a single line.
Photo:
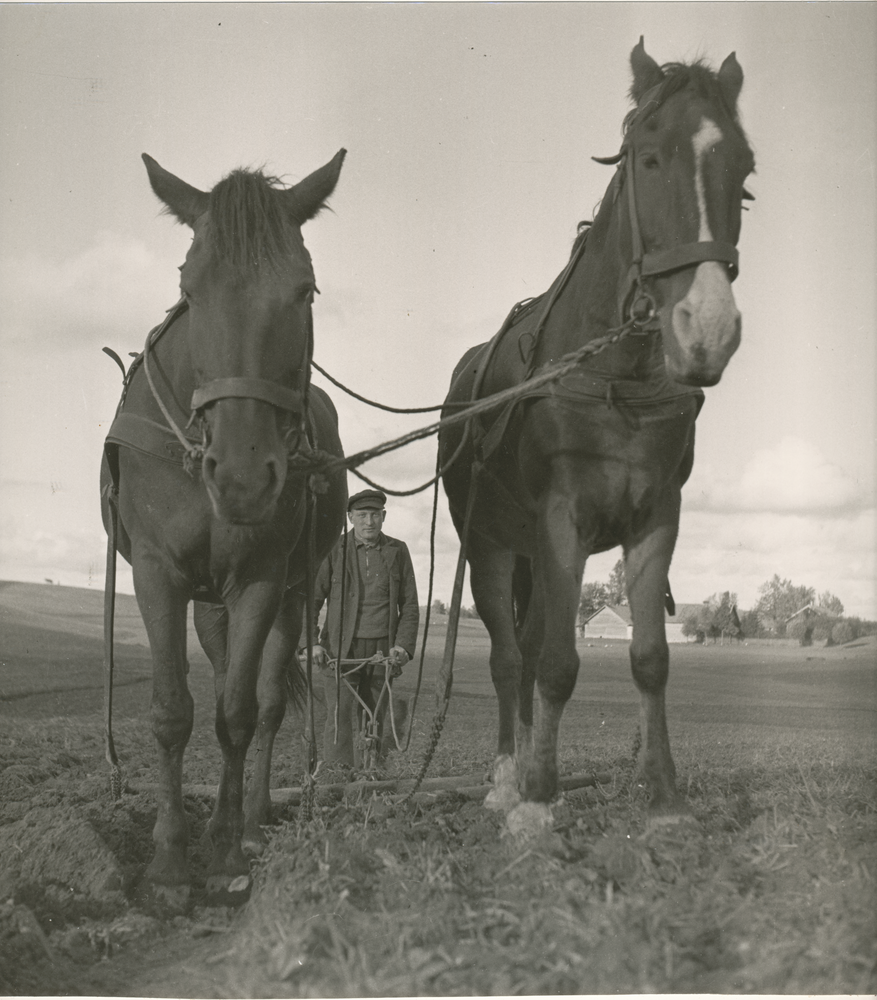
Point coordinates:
[(598, 458), (230, 366)]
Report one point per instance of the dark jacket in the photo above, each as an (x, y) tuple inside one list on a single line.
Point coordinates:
[(404, 610)]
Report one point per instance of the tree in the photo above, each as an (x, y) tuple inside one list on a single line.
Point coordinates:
[(749, 624), (715, 618), (779, 600), (823, 626), (725, 620), (594, 596), (692, 626), (830, 605), (616, 589), (438, 607)]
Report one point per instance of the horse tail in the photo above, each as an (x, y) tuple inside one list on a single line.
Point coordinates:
[(522, 589), (296, 683)]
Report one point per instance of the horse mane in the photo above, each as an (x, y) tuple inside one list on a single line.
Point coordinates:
[(678, 76), (249, 227), (582, 230)]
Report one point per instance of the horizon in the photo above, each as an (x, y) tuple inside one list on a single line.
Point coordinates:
[(422, 607)]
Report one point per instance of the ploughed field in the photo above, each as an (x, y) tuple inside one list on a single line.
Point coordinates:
[(773, 892)]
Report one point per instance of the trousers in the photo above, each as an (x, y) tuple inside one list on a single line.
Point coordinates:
[(340, 747)]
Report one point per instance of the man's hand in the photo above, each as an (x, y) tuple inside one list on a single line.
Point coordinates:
[(398, 658), (319, 656)]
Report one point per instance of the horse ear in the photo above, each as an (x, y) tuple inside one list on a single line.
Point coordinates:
[(181, 199), (646, 72), (731, 79), (307, 197)]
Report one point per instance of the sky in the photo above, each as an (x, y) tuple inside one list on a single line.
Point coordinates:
[(470, 130)]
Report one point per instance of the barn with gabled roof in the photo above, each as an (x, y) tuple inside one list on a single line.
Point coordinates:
[(613, 621)]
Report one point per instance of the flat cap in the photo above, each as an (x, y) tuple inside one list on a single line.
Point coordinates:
[(374, 499)]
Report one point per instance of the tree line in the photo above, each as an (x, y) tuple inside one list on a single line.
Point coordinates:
[(783, 610)]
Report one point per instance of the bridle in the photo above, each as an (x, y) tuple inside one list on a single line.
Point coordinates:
[(636, 304), (292, 401)]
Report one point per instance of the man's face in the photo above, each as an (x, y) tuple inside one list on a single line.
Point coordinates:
[(367, 523)]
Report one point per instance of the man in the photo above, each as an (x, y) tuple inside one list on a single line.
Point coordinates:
[(368, 581)]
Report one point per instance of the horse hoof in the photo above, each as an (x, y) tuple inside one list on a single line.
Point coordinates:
[(504, 798), (254, 847), (162, 900), (227, 890), (504, 795), (529, 819)]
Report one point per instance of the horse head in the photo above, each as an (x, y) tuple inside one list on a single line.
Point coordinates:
[(684, 161), (249, 285)]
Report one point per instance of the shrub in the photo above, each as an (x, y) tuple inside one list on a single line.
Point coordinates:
[(843, 632), (802, 630), (822, 628)]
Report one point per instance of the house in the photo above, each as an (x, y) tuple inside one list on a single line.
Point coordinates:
[(674, 622), (808, 611), (613, 621)]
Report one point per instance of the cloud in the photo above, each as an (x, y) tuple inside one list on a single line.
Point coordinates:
[(790, 477), (109, 288), (739, 551)]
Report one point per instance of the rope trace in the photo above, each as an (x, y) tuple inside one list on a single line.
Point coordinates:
[(372, 402), (550, 373)]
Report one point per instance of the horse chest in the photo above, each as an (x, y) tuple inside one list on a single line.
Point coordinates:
[(621, 453)]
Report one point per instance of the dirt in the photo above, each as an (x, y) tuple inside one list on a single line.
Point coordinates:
[(467, 910)]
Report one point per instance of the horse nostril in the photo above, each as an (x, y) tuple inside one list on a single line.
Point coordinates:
[(274, 472)]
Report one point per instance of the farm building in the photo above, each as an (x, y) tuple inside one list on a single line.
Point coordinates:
[(613, 621)]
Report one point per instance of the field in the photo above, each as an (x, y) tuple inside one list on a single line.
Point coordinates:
[(773, 891)]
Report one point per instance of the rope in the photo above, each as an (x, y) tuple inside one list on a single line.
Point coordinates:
[(109, 662), (372, 402), (428, 607), (308, 784), (445, 680), (550, 373), (191, 452)]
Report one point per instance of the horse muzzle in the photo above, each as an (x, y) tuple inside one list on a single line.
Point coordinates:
[(244, 465), (244, 496), (702, 330)]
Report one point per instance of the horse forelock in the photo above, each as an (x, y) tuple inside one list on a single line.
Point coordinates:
[(697, 76), (249, 225)]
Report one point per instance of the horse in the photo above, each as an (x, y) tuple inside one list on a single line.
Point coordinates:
[(644, 316), (204, 494)]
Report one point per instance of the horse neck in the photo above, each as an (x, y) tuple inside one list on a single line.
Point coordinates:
[(587, 308)]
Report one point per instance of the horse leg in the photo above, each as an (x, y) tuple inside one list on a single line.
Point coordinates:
[(558, 567), (250, 620), (647, 562), (276, 677), (531, 637), (491, 583), (164, 608), (211, 625)]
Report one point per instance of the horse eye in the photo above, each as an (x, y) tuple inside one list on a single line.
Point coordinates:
[(650, 162)]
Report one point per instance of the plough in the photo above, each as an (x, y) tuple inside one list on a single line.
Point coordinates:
[(471, 786)]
